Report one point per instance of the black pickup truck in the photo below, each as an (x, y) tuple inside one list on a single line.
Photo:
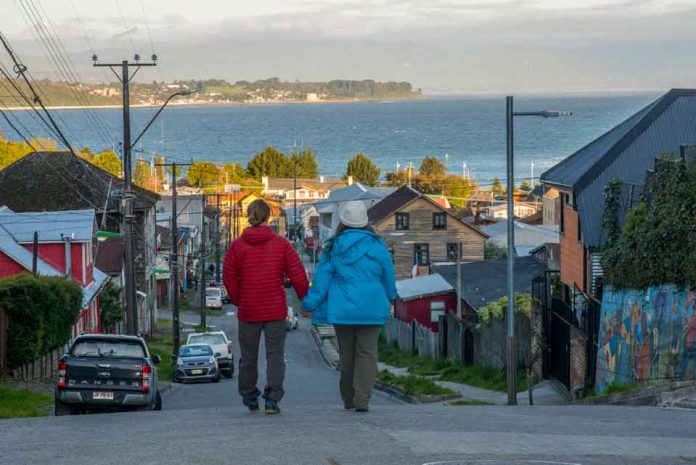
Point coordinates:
[(107, 372)]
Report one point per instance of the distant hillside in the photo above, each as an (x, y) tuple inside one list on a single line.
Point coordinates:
[(271, 90)]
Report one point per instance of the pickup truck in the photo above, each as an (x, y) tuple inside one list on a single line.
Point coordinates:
[(107, 372)]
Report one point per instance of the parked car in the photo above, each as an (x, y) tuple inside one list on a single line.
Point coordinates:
[(213, 297), (291, 321), (107, 372), (222, 349), (196, 362)]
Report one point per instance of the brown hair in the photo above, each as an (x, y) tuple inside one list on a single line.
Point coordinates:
[(258, 212)]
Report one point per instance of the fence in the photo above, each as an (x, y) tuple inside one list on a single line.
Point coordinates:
[(43, 368), (3, 341), (412, 337)]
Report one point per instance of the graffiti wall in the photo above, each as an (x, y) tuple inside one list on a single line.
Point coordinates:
[(646, 337)]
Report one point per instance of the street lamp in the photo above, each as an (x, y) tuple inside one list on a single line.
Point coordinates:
[(166, 102), (511, 352)]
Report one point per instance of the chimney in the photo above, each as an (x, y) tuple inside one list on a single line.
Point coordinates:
[(264, 182), (68, 258), (321, 179), (350, 180)]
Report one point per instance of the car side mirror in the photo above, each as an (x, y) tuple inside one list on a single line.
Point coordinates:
[(156, 359), (217, 354)]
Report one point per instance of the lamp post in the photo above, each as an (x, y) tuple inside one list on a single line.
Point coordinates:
[(511, 350), (166, 102)]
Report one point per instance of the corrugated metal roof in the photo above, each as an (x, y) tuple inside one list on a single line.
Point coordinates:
[(422, 286), (625, 153), (51, 226), (89, 292), (356, 191)]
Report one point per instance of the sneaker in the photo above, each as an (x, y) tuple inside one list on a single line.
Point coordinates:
[(349, 406), (362, 409), (272, 407), (252, 405)]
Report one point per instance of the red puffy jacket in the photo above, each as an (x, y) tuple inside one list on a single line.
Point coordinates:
[(254, 274)]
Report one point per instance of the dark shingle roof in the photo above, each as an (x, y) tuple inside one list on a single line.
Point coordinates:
[(486, 281), (109, 255), (626, 152), (53, 181)]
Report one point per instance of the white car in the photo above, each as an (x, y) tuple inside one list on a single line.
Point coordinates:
[(291, 321), (222, 348), (213, 297)]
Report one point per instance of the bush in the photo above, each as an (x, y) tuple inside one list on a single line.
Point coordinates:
[(42, 312), (112, 310), (523, 306)]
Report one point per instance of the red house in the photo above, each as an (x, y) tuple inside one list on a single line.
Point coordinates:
[(424, 299), (65, 248)]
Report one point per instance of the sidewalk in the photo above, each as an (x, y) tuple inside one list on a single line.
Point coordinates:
[(544, 393)]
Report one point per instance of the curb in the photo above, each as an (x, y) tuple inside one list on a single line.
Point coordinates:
[(330, 358), (399, 393)]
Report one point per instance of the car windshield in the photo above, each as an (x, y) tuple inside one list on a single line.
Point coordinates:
[(195, 351), (108, 349), (213, 339), (212, 292)]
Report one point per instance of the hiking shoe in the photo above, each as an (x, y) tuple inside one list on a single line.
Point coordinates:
[(362, 409), (252, 405), (349, 406), (272, 407)]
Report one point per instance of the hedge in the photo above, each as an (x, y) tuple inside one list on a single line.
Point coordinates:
[(42, 312)]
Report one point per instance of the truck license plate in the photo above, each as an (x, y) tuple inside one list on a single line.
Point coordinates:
[(103, 396), (196, 372)]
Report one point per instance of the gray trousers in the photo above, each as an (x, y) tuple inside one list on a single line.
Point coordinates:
[(249, 339), (357, 347)]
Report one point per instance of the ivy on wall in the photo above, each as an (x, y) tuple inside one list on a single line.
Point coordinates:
[(658, 242)]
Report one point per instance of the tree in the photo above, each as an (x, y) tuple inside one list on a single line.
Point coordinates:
[(112, 310), (160, 169), (525, 186), (203, 173), (142, 176), (458, 190), (363, 170), (306, 163), (431, 166), (270, 162), (497, 188), (108, 161)]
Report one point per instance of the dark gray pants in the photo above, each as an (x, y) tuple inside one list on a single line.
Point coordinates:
[(357, 348), (274, 338)]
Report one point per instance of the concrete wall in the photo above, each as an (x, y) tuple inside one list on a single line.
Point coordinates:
[(647, 336)]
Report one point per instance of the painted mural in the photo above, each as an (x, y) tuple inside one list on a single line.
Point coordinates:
[(646, 337)]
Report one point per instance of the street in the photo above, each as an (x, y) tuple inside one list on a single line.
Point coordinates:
[(309, 381)]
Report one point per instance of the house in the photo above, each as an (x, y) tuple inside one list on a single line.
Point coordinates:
[(59, 181), (302, 190), (486, 281), (551, 208), (277, 220), (66, 247), (626, 153), (419, 231), (328, 208), (499, 211), (527, 236), (424, 299)]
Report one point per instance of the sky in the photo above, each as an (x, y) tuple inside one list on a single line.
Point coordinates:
[(441, 46)]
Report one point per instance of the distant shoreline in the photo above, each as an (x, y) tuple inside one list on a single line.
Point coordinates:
[(223, 104)]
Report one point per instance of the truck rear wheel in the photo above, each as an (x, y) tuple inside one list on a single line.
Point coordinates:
[(61, 409)]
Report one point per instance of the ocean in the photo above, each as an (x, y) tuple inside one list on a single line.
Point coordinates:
[(467, 131)]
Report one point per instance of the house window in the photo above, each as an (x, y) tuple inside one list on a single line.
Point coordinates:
[(402, 221), (421, 254), (437, 309), (453, 250), (562, 207), (439, 220)]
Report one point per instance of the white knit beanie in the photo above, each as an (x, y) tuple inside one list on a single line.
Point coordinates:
[(353, 214)]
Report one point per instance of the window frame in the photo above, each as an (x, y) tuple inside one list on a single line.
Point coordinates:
[(401, 225), (457, 246), (417, 256), (443, 226)]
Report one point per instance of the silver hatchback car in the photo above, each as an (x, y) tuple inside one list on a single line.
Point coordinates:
[(196, 362)]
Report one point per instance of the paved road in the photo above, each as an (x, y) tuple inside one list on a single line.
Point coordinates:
[(309, 381)]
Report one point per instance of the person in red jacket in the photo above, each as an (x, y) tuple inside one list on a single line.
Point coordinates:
[(254, 273)]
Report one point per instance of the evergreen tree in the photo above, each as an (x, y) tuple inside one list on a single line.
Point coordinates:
[(431, 166), (270, 162), (142, 176), (159, 169), (525, 186), (497, 188), (363, 170), (306, 163)]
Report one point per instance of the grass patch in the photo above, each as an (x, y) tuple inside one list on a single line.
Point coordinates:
[(21, 403), (464, 403), (413, 385), (481, 376), (161, 343), (615, 388)]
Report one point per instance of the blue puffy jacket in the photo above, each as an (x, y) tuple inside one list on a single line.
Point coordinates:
[(354, 283)]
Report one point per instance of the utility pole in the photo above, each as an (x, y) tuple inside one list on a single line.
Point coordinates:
[(174, 261), (217, 239), (203, 285), (128, 196)]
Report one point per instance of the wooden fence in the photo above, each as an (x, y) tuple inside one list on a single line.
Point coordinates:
[(4, 324), (412, 337), (43, 368)]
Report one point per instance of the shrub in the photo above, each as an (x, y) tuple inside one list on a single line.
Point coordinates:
[(42, 312)]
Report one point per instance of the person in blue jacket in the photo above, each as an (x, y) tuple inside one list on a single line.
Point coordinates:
[(353, 289)]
